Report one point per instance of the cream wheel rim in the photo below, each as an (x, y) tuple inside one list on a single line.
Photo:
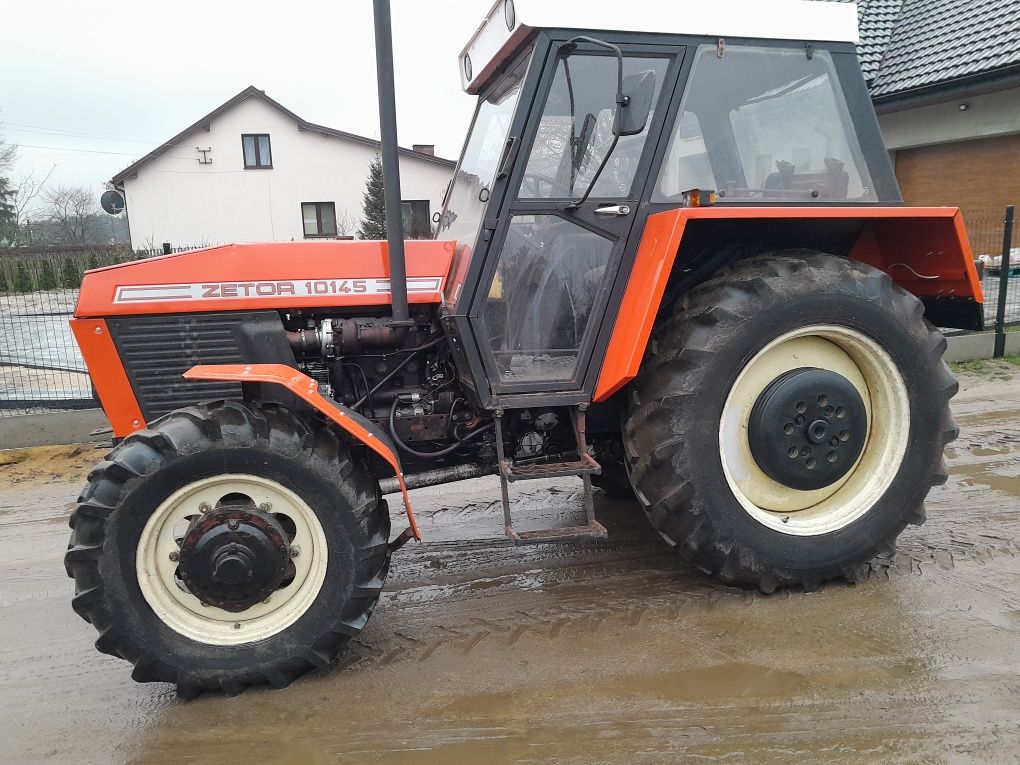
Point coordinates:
[(183, 612), (870, 369)]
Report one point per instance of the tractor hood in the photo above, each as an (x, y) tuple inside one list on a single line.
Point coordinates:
[(234, 277)]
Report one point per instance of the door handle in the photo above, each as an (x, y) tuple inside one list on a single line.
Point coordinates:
[(504, 163), (613, 211)]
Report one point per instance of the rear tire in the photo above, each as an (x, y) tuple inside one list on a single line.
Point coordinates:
[(337, 526), (727, 344)]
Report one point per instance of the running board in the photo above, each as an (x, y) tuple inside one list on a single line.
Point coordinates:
[(584, 467)]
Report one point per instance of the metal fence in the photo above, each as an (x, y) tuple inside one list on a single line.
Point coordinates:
[(42, 370), (987, 232)]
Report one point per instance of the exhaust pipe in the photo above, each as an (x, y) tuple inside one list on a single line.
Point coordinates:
[(391, 167)]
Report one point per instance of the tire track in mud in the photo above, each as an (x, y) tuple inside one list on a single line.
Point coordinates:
[(518, 594)]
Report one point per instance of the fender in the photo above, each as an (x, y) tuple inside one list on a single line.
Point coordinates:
[(925, 250), (307, 389)]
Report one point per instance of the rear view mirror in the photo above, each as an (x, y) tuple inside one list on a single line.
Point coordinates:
[(639, 92)]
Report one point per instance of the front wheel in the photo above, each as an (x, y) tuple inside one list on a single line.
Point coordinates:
[(228, 545), (789, 419)]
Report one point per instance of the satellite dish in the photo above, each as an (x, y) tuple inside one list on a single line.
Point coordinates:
[(112, 202)]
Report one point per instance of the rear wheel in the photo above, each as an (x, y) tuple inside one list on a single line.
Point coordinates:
[(228, 545), (789, 419)]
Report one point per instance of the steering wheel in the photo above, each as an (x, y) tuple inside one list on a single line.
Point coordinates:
[(537, 178)]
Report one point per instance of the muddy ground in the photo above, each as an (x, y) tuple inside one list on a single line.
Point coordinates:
[(618, 652)]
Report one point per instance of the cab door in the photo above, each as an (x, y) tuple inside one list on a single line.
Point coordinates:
[(559, 237)]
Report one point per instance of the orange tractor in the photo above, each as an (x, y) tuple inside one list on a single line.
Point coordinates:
[(674, 263)]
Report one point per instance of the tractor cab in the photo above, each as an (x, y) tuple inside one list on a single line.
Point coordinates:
[(582, 130)]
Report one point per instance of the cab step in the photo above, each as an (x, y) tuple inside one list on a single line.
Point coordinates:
[(592, 531), (584, 467)]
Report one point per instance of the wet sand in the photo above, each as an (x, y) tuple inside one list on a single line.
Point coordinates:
[(480, 652)]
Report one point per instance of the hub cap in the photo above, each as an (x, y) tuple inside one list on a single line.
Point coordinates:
[(233, 557), (807, 428), (850, 370)]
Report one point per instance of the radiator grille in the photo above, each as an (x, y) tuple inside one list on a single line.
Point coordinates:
[(157, 350)]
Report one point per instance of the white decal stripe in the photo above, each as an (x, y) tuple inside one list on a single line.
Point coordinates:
[(279, 289)]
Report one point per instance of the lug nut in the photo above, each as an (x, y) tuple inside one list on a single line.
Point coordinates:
[(175, 556), (295, 551), (205, 507), (265, 507)]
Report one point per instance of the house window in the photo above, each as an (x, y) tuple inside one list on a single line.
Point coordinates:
[(319, 219), (416, 218), (256, 151)]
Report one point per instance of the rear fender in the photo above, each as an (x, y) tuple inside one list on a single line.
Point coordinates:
[(307, 389), (924, 250)]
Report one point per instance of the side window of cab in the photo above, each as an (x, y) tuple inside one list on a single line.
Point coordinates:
[(765, 125)]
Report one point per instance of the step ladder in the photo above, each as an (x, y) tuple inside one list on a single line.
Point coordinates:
[(585, 467)]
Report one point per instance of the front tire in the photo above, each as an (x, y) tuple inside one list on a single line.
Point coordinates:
[(718, 434), (285, 491)]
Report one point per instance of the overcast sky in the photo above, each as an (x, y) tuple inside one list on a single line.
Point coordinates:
[(90, 87)]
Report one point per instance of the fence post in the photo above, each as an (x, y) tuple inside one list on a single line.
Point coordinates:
[(1000, 310)]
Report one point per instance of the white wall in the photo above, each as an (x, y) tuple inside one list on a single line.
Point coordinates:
[(989, 115), (175, 199)]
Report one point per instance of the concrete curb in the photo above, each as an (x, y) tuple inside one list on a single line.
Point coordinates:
[(53, 428), (971, 347)]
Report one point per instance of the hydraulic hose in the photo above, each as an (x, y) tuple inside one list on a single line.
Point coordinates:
[(441, 452)]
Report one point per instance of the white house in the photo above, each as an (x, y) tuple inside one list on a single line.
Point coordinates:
[(252, 170)]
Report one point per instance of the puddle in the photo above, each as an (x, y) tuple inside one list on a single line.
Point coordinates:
[(732, 680), (972, 419), (1004, 477)]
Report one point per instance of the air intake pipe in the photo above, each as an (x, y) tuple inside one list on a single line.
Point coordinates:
[(400, 321)]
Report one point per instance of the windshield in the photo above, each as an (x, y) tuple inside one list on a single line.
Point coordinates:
[(472, 183)]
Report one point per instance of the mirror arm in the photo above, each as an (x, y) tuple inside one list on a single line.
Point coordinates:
[(571, 44), (594, 179), (621, 101)]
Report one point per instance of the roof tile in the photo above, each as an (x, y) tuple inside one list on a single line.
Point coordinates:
[(910, 44)]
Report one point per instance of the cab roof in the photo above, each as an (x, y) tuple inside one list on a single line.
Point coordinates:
[(511, 22)]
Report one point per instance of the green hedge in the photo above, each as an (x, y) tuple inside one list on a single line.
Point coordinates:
[(53, 270)]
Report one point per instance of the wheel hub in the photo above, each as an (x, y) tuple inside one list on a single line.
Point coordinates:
[(808, 428), (233, 557)]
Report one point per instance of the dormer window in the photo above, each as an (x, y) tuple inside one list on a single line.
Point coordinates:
[(257, 153)]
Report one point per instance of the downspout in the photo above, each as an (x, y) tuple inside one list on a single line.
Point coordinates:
[(400, 321)]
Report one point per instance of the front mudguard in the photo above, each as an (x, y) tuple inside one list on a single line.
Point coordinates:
[(305, 388)]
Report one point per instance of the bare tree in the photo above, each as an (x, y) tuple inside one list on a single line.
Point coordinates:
[(73, 208), (26, 190), (346, 224)]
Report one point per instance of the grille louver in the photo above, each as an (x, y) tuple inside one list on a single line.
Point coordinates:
[(157, 350)]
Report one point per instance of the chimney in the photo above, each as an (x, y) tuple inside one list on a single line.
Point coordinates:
[(425, 148)]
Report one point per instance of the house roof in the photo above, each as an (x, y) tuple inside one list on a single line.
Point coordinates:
[(909, 46), (252, 92)]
